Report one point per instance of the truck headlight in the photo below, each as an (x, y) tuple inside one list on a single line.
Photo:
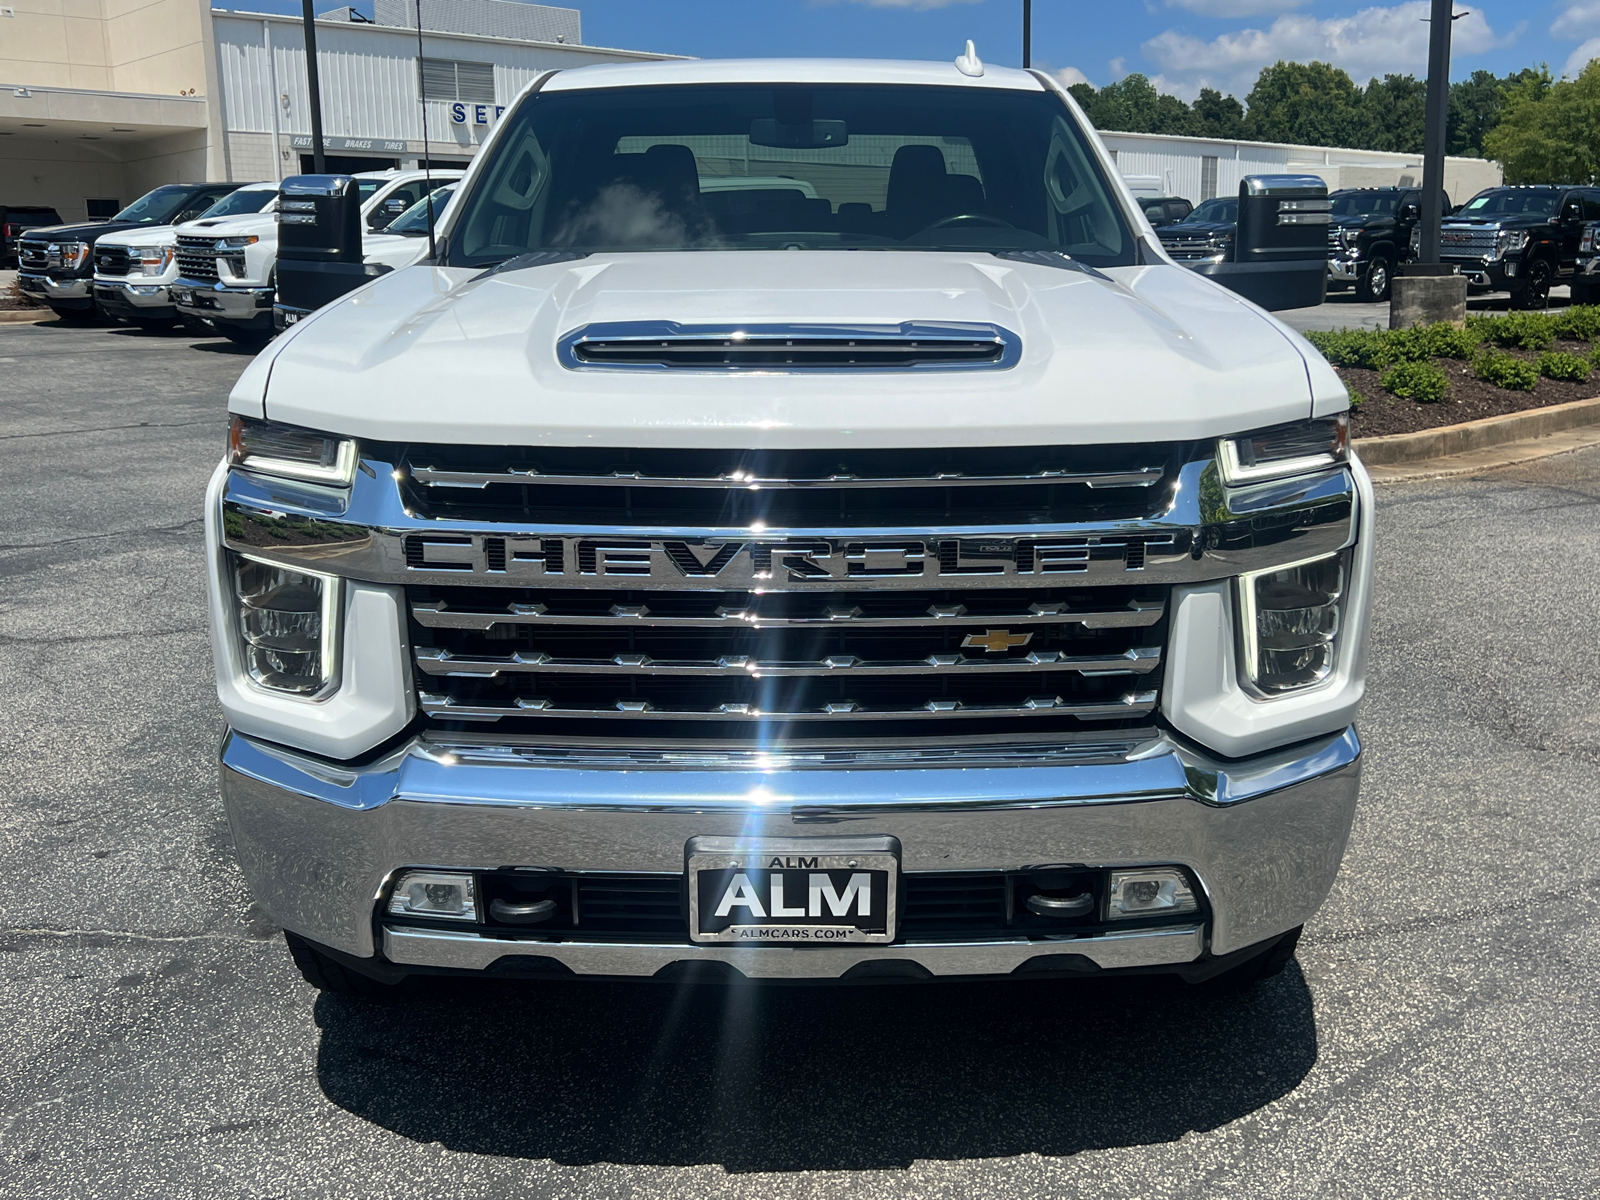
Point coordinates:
[(69, 255), (1510, 241), (1290, 618), (288, 626), (271, 448), (1285, 450), (150, 260)]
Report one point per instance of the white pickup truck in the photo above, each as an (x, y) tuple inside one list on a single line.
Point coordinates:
[(907, 573), (226, 270)]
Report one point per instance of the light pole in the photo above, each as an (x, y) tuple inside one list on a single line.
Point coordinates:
[(317, 162), (1027, 34), (1434, 130)]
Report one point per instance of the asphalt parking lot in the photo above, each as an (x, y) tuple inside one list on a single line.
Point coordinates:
[(1439, 1034)]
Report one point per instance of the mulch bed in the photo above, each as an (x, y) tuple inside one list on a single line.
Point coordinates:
[(1470, 399)]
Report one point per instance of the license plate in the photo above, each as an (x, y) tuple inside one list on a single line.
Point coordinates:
[(793, 891), (289, 318)]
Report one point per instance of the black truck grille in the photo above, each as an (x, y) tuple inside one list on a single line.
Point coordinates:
[(197, 258), (33, 256), (111, 260)]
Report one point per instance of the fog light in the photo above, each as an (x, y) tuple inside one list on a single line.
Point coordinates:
[(435, 894), (1150, 893)]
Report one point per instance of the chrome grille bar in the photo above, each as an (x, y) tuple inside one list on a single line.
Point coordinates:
[(438, 614), (431, 477), (432, 661), (1130, 704)]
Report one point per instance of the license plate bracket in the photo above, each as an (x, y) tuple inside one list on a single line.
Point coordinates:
[(811, 891)]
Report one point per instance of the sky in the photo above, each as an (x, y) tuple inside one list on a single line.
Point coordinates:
[(1183, 45)]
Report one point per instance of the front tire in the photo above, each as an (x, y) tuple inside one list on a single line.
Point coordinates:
[(76, 316), (1535, 290), (1583, 290), (1373, 285), (251, 339), (327, 974)]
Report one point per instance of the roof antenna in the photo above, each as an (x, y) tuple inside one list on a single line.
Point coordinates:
[(427, 168), (968, 64)]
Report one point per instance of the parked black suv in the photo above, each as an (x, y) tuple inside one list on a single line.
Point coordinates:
[(56, 262), (1369, 234), (14, 218), (1522, 239)]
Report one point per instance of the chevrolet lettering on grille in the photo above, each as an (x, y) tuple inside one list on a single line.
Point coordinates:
[(739, 564)]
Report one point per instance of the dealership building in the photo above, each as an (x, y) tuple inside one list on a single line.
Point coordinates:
[(102, 100)]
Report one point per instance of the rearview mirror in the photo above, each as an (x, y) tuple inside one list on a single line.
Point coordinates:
[(802, 135), (1409, 211)]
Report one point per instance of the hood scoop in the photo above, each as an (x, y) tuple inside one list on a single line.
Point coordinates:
[(783, 349)]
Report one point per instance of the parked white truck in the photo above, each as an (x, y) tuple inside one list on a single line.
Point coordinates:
[(907, 573), (226, 270)]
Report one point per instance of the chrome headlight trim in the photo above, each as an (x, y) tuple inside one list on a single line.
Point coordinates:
[(1238, 466)]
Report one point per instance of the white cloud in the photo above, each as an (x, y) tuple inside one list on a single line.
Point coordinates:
[(1237, 8), (1577, 20), (1579, 59), (1119, 67), (1373, 42), (1071, 75)]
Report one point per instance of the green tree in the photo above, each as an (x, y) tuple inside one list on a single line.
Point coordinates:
[(1083, 93), (1549, 132), (1132, 105), (1312, 104), (1217, 116), (1476, 104), (1393, 114)]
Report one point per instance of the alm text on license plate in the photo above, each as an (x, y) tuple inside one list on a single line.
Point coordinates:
[(796, 891)]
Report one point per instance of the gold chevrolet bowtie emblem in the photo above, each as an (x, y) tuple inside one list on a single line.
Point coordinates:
[(997, 641)]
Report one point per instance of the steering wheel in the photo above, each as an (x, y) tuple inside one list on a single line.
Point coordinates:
[(968, 219)]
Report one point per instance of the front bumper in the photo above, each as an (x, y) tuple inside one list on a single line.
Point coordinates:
[(1344, 270), (249, 307), (319, 842), (1496, 274), (58, 293), (125, 298)]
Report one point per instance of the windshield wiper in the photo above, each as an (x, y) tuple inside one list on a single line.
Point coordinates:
[(538, 258)]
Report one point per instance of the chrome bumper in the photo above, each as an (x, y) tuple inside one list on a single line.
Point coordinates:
[(1347, 270), (47, 288), (220, 302), (117, 293), (318, 841)]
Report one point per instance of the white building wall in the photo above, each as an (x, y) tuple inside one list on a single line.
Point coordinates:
[(1177, 162), (368, 76)]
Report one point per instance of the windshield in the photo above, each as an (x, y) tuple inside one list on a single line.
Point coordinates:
[(414, 221), (1511, 200), (367, 187), (790, 167), (1218, 211), (157, 207), (1365, 204), (243, 201)]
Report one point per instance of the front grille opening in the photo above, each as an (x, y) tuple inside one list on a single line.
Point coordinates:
[(197, 258), (979, 486), (653, 908), (851, 664)]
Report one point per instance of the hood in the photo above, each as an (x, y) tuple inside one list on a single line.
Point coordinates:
[(453, 355), (1362, 221), (82, 231), (223, 226), (1499, 221), (142, 235)]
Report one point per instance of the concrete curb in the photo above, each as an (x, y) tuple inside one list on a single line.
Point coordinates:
[(24, 316), (1448, 440)]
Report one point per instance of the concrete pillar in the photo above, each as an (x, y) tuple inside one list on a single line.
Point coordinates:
[(1427, 299)]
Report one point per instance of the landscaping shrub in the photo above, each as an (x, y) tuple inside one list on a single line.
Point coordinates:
[(1557, 365), (1506, 370), (1580, 323), (1441, 340), (1419, 381), (1353, 347), (1519, 330), (1356, 398)]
